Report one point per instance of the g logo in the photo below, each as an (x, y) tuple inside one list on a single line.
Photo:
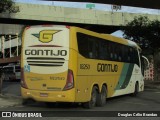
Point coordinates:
[(46, 36)]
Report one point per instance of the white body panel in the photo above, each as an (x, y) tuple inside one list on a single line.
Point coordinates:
[(58, 44)]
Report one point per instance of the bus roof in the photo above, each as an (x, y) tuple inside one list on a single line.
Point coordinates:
[(109, 37), (131, 43)]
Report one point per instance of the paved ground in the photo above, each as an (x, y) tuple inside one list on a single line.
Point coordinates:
[(11, 88), (11, 92), (145, 102)]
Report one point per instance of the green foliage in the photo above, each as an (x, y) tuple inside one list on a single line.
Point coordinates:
[(144, 32), (8, 6), (154, 34)]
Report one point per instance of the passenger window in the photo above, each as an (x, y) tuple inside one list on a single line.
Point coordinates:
[(98, 48)]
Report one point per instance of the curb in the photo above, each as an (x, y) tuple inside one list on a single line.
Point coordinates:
[(152, 84), (6, 106), (8, 96), (152, 87)]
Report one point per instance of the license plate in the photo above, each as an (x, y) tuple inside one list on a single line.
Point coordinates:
[(43, 94)]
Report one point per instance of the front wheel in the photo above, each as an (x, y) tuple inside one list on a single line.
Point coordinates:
[(92, 102), (136, 90)]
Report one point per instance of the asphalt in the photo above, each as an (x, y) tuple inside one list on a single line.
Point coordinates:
[(9, 101), (10, 95), (148, 84)]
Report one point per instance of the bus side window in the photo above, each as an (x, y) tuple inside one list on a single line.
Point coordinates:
[(103, 50), (97, 49), (82, 44), (116, 52), (132, 55), (136, 57), (90, 48), (123, 53), (119, 51), (93, 47), (111, 52)]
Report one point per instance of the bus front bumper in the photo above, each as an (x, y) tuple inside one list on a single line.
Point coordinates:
[(49, 96)]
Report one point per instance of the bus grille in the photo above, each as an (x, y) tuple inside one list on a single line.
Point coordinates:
[(45, 61)]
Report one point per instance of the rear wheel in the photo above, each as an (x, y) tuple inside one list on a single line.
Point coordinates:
[(101, 97), (92, 102)]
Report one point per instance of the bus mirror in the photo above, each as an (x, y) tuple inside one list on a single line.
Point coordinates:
[(145, 58)]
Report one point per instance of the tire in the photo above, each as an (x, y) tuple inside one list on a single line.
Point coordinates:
[(92, 103), (136, 90), (101, 97)]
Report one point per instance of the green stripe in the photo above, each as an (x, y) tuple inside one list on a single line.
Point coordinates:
[(128, 76), (122, 76), (125, 76)]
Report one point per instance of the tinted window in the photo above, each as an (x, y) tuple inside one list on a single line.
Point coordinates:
[(97, 48), (17, 68)]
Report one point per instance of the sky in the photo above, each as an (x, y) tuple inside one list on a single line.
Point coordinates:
[(103, 7)]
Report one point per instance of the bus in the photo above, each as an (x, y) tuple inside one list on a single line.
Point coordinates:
[(71, 64), (11, 72)]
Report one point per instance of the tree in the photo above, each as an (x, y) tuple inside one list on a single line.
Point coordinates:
[(154, 34), (147, 34), (144, 32), (8, 6)]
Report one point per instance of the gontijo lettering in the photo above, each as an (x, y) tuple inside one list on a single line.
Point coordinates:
[(101, 67), (46, 52)]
